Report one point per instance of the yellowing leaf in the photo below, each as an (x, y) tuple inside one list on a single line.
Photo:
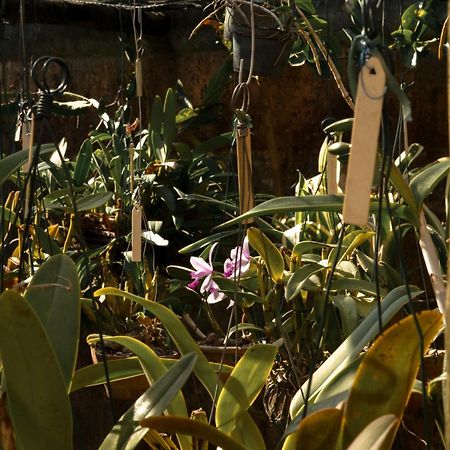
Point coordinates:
[(386, 375), (268, 252)]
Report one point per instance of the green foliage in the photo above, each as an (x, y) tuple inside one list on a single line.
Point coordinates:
[(379, 391), (54, 293), (127, 432), (244, 385), (10, 163)]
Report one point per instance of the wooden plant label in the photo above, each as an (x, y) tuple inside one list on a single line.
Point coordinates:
[(28, 142), (366, 129), (136, 231), (244, 167), (138, 75)]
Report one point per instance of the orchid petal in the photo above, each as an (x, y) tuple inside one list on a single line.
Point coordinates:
[(206, 285), (213, 247), (200, 264)]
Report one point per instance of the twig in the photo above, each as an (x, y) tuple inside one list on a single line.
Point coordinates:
[(331, 65)]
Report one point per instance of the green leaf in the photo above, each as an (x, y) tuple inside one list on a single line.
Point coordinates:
[(386, 375), (45, 242), (269, 253), (93, 201), (9, 164), (330, 396), (83, 164), (120, 369), (154, 369), (242, 327), (295, 282), (348, 313), (352, 346), (351, 241), (36, 390), (306, 247), (156, 118), (402, 187), (424, 183), (169, 130), (177, 331), (376, 435), (127, 433), (184, 115), (170, 424), (7, 215), (320, 430), (54, 294), (83, 204), (244, 385), (352, 284), (186, 344), (285, 205)]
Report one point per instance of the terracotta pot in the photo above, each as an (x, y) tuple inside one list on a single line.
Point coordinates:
[(127, 389), (132, 388)]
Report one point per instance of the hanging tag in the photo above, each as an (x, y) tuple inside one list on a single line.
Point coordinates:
[(28, 142), (136, 231), (332, 174), (244, 166), (138, 74), (131, 154), (366, 129)]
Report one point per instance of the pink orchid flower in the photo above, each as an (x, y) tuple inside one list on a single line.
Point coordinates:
[(203, 269), (238, 262)]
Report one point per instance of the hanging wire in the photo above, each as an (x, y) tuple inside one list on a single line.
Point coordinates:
[(323, 319), (388, 147)]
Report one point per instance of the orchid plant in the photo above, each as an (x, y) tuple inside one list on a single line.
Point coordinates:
[(237, 264)]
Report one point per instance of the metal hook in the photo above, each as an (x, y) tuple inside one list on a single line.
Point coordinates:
[(369, 28), (39, 73), (241, 92)]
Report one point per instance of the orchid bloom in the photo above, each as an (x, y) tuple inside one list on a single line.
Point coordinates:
[(238, 262), (203, 269)]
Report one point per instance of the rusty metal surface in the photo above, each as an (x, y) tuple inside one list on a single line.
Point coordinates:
[(142, 4)]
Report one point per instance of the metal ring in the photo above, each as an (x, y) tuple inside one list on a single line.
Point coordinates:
[(39, 73), (240, 91)]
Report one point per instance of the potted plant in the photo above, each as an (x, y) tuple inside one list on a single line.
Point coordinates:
[(271, 25), (281, 30)]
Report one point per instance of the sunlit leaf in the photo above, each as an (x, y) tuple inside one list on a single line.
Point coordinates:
[(376, 435), (170, 424), (12, 162), (319, 431), (296, 281), (269, 253), (37, 396), (186, 344), (54, 294), (127, 432), (352, 346), (287, 205), (154, 369), (386, 375), (244, 385), (424, 183)]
